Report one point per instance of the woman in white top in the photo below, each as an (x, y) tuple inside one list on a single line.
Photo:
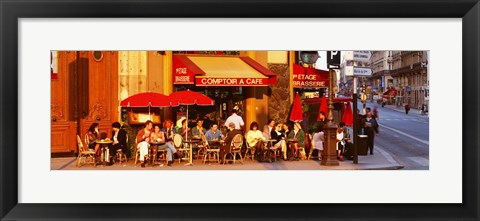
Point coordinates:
[(340, 143), (318, 140), (255, 139), (277, 134)]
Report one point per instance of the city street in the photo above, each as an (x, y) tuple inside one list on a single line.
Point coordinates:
[(404, 137)]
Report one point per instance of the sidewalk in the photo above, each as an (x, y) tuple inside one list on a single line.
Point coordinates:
[(381, 160), (412, 112)]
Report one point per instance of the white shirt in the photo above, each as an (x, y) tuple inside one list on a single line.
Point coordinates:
[(318, 140), (115, 136), (340, 137), (252, 137), (237, 120)]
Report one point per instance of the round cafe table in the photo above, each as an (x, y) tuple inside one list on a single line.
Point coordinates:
[(189, 144), (105, 155), (154, 149)]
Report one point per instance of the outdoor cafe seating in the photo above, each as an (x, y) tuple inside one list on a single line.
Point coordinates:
[(211, 154), (88, 156), (235, 149), (183, 151)]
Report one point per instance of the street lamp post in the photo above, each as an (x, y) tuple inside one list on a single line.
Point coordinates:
[(330, 129)]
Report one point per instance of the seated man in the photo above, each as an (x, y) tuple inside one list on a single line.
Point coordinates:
[(197, 132), (213, 136), (119, 137), (224, 149)]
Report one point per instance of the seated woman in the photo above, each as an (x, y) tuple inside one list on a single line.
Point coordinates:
[(317, 141), (297, 134), (340, 143), (277, 134), (93, 135), (159, 137), (348, 145), (255, 140), (168, 129), (143, 147), (267, 129)]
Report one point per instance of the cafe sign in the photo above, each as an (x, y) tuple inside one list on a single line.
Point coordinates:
[(199, 81), (182, 72), (309, 81), (309, 77)]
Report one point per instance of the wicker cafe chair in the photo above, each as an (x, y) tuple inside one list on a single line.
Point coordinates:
[(87, 140), (84, 153), (211, 155), (182, 150), (202, 150), (137, 153), (120, 156), (272, 150), (250, 152), (235, 149)]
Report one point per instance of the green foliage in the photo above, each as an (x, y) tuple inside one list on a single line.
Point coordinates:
[(132, 131)]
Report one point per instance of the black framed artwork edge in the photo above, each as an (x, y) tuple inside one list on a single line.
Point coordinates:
[(11, 11)]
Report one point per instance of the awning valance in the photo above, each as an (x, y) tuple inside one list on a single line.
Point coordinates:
[(220, 71)]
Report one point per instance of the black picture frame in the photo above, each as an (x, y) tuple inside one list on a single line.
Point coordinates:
[(11, 11)]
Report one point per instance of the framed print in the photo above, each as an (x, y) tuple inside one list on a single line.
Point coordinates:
[(37, 36)]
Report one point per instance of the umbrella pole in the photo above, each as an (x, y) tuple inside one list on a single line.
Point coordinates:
[(149, 115), (190, 162)]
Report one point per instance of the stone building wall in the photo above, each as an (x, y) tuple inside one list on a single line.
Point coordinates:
[(279, 102)]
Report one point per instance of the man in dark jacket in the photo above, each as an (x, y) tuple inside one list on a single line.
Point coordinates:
[(224, 149), (370, 127), (119, 137)]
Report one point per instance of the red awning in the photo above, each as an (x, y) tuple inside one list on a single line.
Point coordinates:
[(220, 71), (390, 92), (309, 77)]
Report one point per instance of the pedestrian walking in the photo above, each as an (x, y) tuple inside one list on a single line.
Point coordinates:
[(423, 109), (407, 108), (375, 112)]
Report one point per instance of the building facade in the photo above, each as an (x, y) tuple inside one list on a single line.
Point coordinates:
[(410, 77), (381, 63)]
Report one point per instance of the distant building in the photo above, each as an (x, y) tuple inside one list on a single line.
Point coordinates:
[(410, 77), (381, 63)]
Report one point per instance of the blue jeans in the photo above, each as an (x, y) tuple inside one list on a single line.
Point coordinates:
[(170, 150)]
